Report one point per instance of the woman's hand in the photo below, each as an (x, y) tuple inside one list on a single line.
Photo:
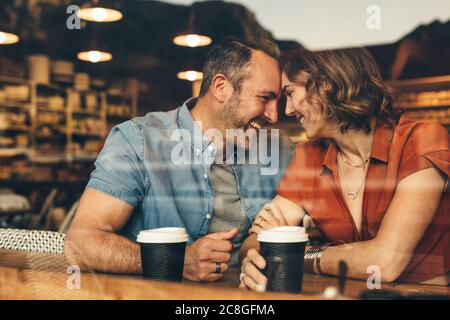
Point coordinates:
[(270, 216), (251, 277)]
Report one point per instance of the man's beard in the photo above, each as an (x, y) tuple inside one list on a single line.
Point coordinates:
[(232, 120), (229, 116)]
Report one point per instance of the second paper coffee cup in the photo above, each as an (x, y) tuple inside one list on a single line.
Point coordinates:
[(283, 249), (162, 253)]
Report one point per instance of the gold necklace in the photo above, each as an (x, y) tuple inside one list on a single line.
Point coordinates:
[(352, 164), (351, 195)]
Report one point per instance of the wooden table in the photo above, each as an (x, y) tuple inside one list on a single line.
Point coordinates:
[(39, 276)]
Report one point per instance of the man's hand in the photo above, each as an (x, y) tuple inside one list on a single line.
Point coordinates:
[(202, 256)]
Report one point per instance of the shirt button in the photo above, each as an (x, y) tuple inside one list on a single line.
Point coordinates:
[(205, 176), (208, 216), (197, 152)]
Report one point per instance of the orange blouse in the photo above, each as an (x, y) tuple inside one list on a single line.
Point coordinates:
[(311, 181)]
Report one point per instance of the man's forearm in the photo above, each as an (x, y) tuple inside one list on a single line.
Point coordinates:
[(103, 251)]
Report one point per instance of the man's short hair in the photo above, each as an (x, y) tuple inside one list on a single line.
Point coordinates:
[(231, 57)]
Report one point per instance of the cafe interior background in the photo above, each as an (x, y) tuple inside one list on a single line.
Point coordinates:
[(62, 88)]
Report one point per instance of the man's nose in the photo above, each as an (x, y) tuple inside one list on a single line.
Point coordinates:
[(271, 113)]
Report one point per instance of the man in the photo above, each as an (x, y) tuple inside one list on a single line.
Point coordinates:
[(137, 184)]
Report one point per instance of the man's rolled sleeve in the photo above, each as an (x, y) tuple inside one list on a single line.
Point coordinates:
[(119, 169)]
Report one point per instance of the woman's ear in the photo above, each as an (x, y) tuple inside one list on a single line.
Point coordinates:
[(221, 88), (325, 86)]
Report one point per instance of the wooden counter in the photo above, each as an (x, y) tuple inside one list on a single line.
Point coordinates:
[(33, 276)]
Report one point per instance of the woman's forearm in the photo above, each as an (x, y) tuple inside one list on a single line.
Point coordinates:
[(249, 243), (362, 259)]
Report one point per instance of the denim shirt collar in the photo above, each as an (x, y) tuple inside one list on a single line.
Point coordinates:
[(185, 121)]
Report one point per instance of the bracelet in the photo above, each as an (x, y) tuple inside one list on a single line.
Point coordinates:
[(309, 259), (318, 258), (312, 259)]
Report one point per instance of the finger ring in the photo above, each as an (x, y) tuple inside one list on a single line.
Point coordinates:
[(218, 268), (241, 276)]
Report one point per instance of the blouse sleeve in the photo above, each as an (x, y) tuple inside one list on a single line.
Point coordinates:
[(427, 147)]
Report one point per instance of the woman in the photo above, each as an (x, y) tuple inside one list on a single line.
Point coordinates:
[(372, 180)]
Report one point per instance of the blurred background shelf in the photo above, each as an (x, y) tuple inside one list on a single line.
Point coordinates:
[(420, 84), (48, 158), (16, 129), (14, 105), (12, 152), (70, 124), (445, 104), (424, 98), (94, 114), (42, 109)]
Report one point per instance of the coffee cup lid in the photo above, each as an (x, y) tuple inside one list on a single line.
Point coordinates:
[(287, 234), (163, 235)]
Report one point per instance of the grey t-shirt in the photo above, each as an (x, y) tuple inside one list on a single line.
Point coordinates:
[(228, 213)]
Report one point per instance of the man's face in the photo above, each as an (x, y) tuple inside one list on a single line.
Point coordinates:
[(256, 104)]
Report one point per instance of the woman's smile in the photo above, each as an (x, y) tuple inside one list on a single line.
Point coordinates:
[(300, 117)]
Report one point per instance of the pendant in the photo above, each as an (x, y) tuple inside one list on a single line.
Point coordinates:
[(351, 195)]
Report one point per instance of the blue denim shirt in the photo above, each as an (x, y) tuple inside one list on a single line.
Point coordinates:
[(135, 166)]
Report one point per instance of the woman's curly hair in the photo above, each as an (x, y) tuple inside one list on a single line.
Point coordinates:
[(345, 84)]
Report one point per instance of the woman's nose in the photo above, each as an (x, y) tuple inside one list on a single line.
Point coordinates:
[(289, 110)]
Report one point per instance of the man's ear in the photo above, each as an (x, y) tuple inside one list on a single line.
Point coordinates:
[(221, 88)]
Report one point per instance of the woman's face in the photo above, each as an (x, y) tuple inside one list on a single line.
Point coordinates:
[(310, 117)]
